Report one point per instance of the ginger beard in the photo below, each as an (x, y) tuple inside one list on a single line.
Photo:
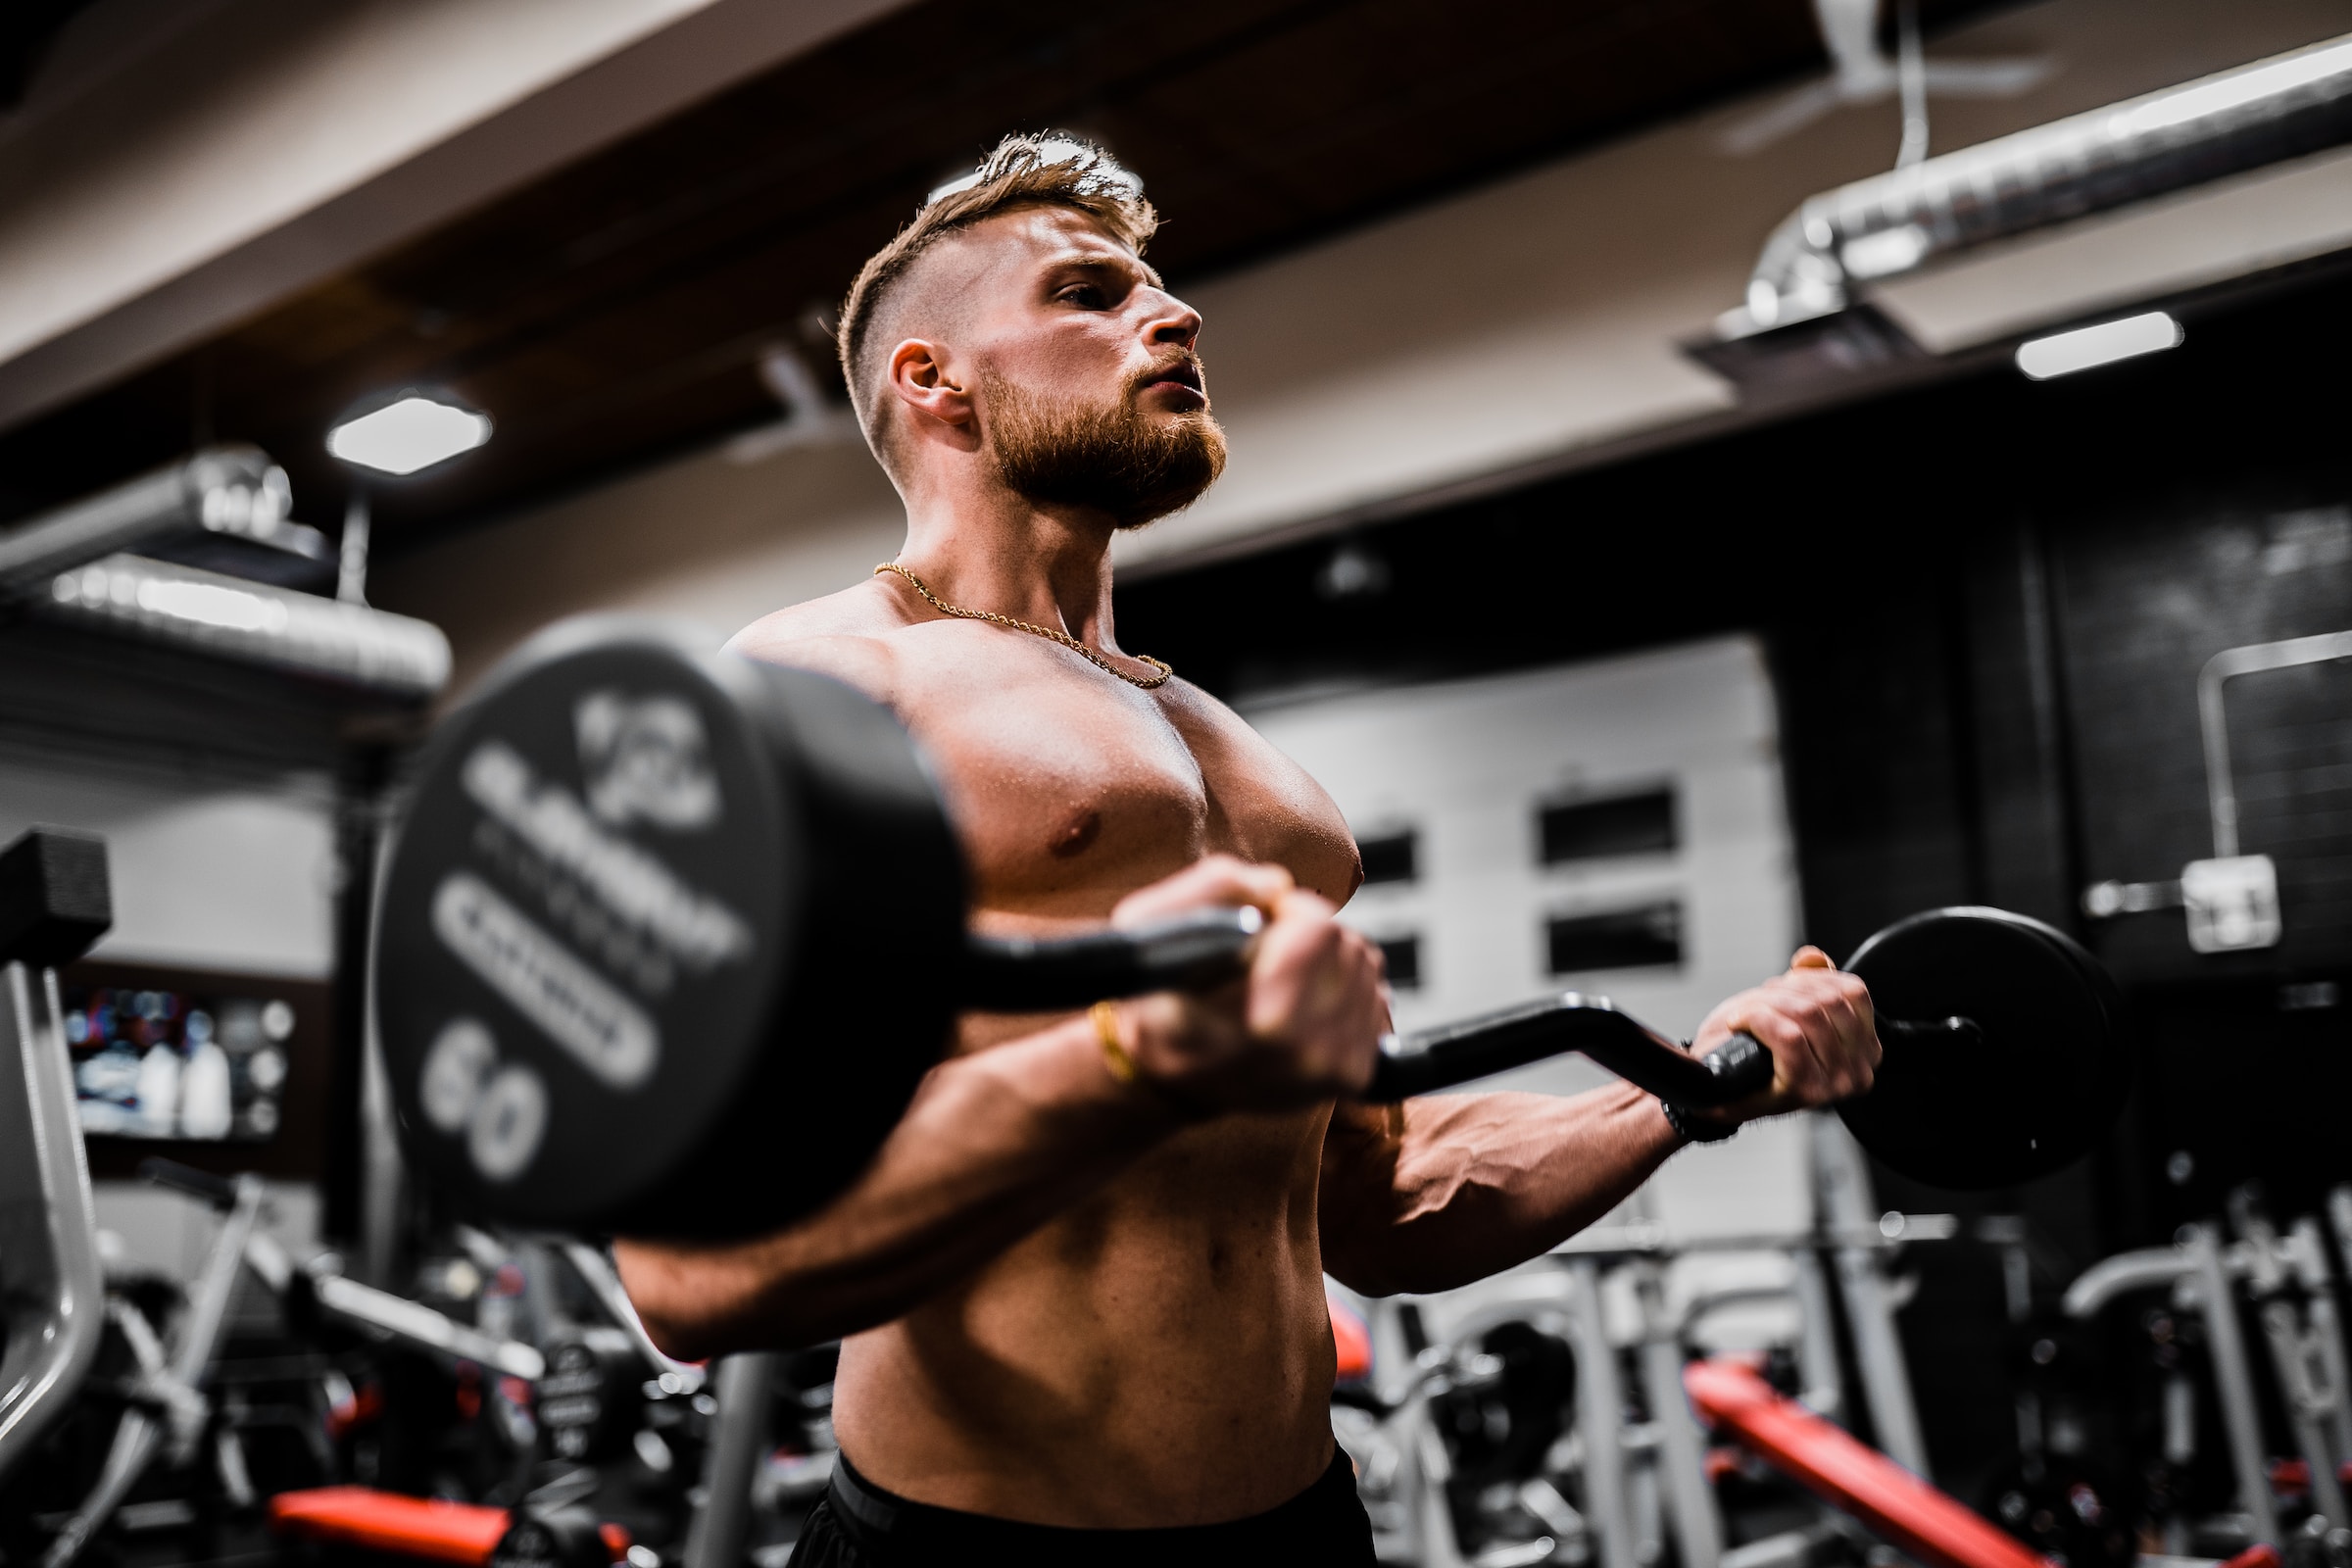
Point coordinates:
[(1106, 457)]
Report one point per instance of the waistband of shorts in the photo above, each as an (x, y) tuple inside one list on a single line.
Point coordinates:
[(872, 1511)]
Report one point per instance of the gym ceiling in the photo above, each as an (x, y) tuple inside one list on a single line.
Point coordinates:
[(615, 312)]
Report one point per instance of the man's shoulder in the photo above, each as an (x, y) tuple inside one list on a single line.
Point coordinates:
[(846, 635)]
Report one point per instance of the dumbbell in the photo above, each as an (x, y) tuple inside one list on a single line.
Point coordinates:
[(669, 936)]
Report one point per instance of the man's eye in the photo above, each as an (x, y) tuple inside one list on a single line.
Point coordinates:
[(1086, 295)]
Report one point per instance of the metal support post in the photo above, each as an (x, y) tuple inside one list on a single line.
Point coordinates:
[(2309, 1255), (722, 1527), (52, 1298), (2234, 1380), (1824, 1392), (1601, 1417), (141, 1430), (1682, 1449), (2295, 1356), (1846, 1207)]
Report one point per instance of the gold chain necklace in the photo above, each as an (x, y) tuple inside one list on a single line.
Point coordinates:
[(1034, 630)]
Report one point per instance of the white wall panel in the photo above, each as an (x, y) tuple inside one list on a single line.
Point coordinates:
[(209, 874), (1468, 764)]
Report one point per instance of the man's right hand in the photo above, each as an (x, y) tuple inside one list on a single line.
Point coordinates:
[(1302, 1027)]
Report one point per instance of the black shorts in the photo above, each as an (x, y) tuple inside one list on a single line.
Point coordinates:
[(857, 1524)]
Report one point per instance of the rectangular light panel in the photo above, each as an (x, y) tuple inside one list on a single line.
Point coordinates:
[(2065, 353)]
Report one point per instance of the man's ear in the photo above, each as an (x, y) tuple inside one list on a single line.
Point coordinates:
[(925, 377)]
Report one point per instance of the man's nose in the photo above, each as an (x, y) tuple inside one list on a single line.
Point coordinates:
[(1173, 322)]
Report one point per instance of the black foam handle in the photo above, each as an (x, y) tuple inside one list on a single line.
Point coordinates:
[(1441, 1058), (1197, 951), (55, 899)]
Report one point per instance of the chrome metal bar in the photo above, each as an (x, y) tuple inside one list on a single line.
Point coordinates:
[(420, 1325), (1601, 1417), (1682, 1449), (141, 1431), (52, 1296), (720, 1530), (1843, 1192), (1823, 1393), (2300, 1378), (2234, 1380), (2221, 791), (2111, 1277)]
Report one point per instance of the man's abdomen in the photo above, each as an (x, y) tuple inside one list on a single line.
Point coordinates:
[(1159, 1355)]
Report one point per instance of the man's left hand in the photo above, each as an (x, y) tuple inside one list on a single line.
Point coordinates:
[(1817, 1022)]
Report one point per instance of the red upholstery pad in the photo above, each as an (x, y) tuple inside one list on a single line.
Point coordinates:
[(387, 1521), (1353, 1338), (1850, 1476)]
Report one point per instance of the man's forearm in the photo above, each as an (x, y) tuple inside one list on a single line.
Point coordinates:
[(996, 1144), (1446, 1189)]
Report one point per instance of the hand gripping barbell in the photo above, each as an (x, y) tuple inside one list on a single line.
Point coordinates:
[(668, 938)]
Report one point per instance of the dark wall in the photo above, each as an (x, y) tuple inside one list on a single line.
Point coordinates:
[(1986, 605)]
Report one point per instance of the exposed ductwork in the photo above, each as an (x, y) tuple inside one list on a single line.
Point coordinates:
[(255, 623), (85, 564), (227, 491), (1892, 223)]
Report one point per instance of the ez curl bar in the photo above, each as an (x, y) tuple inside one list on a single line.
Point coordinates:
[(669, 936)]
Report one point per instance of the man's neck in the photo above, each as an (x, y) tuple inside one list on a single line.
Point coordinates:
[(998, 552)]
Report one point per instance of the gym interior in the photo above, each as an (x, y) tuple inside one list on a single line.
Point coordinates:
[(1699, 480)]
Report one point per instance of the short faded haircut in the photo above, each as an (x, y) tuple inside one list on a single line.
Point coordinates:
[(1049, 169)]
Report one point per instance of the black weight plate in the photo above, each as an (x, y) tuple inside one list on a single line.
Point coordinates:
[(621, 933), (587, 918), (2034, 1090)]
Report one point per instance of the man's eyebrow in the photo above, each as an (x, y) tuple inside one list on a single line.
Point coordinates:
[(1091, 262)]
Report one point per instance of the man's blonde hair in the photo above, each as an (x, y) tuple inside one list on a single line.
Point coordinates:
[(1049, 169)]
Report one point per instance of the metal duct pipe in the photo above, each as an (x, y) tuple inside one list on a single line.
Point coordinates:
[(2222, 125), (233, 490), (254, 623)]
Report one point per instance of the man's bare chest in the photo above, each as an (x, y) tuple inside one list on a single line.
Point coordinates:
[(1071, 790)]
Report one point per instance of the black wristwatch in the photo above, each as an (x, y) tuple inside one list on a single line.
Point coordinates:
[(1695, 1132)]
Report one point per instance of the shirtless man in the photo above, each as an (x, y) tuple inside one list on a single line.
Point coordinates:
[(1079, 1289)]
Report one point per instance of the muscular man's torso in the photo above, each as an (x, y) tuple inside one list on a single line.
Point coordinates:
[(1160, 1353)]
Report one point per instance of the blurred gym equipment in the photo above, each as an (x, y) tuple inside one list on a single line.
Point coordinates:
[(567, 1404), (2289, 1283), (1896, 1505), (231, 492), (54, 904), (1528, 1427), (742, 860), (133, 562)]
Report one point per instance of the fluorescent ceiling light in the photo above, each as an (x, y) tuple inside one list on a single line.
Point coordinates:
[(412, 434), (2065, 353)]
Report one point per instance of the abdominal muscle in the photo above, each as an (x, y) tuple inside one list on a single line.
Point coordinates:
[(1159, 1355)]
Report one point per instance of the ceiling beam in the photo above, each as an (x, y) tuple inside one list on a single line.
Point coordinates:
[(287, 141)]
